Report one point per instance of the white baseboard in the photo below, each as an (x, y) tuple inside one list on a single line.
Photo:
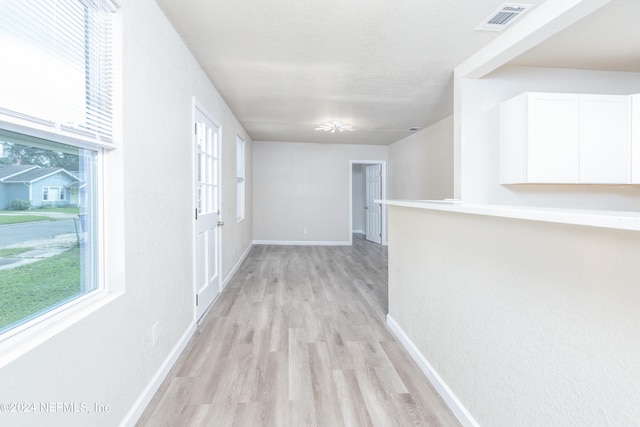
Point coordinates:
[(438, 383), (300, 243), (236, 267), (357, 232), (150, 390)]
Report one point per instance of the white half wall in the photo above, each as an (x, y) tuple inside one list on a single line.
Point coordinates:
[(108, 358), (526, 323), (421, 165), (479, 125), (300, 186)]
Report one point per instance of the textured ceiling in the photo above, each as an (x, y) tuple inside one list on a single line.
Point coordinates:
[(286, 66), (608, 39)]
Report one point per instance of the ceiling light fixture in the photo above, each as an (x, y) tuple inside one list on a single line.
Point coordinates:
[(335, 126)]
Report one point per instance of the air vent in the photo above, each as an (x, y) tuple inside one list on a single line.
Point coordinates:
[(505, 15)]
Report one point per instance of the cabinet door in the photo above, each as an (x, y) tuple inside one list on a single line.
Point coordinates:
[(605, 139), (635, 139), (553, 138)]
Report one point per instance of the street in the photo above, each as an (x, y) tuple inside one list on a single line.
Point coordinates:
[(10, 234)]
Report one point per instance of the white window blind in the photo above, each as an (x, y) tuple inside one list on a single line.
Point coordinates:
[(57, 64)]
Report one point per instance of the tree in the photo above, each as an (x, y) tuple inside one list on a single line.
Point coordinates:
[(25, 155)]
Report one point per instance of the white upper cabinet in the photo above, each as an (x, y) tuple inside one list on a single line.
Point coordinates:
[(605, 139), (560, 138), (539, 138), (635, 139)]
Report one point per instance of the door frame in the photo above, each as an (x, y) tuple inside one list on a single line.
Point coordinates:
[(383, 208), (196, 105)]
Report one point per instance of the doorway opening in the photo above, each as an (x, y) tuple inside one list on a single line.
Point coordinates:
[(368, 183)]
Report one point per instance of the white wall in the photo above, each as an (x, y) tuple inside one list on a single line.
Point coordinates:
[(528, 323), (107, 358), (305, 185), (358, 198), (479, 99), (421, 165)]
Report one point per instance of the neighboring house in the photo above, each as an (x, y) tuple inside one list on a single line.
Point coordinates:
[(40, 186)]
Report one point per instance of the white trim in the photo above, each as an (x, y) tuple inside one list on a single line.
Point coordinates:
[(301, 243), (24, 337), (438, 383), (47, 130), (236, 267), (383, 208), (357, 231), (150, 390)]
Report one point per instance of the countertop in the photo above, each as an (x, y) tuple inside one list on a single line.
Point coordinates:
[(622, 220)]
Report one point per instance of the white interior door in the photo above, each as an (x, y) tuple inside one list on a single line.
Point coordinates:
[(207, 212), (373, 191)]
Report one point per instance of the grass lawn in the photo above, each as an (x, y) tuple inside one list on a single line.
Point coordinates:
[(9, 252), (14, 219), (31, 288), (69, 210), (60, 210)]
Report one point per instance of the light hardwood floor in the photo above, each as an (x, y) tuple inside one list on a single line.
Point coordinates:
[(298, 338)]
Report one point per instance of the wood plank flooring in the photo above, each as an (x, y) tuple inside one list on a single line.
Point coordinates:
[(298, 338)]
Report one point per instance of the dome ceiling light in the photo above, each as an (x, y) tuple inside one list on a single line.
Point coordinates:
[(335, 126)]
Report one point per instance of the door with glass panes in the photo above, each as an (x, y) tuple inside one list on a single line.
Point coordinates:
[(207, 212)]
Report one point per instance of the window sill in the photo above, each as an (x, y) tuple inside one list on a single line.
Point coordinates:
[(24, 338)]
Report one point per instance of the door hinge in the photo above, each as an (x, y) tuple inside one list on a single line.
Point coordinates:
[(196, 213), (196, 299)]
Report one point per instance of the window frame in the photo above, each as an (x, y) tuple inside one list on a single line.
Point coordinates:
[(109, 236), (109, 224), (47, 318)]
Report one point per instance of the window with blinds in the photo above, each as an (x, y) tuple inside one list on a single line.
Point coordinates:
[(56, 124), (57, 65)]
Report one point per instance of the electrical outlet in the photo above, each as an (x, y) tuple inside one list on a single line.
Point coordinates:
[(155, 330), (305, 231)]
